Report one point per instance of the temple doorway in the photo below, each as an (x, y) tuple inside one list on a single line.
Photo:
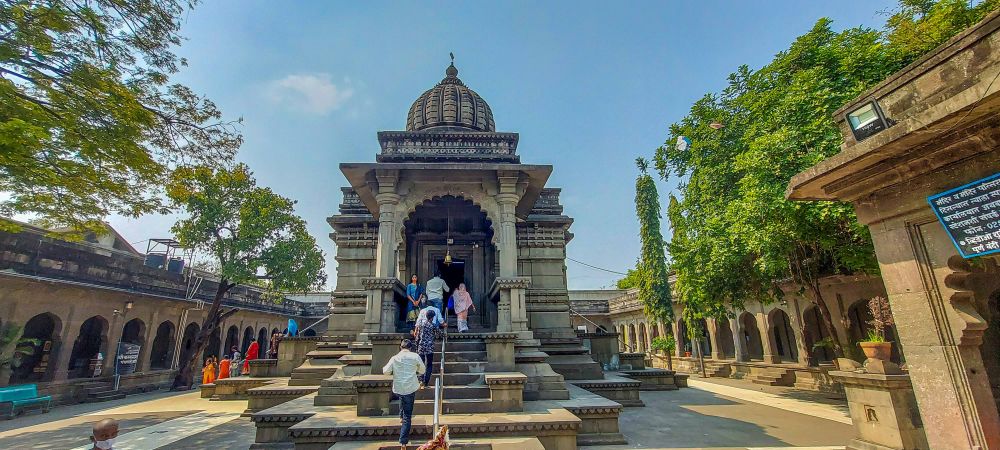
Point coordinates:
[(454, 226)]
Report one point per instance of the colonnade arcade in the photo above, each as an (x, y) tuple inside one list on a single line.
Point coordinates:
[(67, 350), (777, 333)]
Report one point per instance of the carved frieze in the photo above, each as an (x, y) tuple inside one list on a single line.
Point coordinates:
[(452, 145)]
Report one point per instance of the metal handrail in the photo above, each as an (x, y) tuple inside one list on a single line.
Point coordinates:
[(439, 386), (596, 326)]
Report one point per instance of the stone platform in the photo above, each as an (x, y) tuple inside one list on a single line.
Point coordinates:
[(553, 426), (613, 387), (274, 394), (458, 444), (233, 388), (652, 379)]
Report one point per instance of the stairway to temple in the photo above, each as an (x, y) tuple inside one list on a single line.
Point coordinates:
[(322, 362), (465, 390), (773, 376)]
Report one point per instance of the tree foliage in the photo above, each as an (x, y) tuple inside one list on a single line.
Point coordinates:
[(629, 281), (651, 269), (250, 232), (89, 122), (736, 238)]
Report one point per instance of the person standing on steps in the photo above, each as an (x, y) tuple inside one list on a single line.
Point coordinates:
[(436, 287), (414, 292), (235, 363), (405, 367), (463, 303), (427, 331)]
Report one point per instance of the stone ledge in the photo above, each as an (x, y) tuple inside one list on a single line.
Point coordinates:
[(506, 378), (372, 383)]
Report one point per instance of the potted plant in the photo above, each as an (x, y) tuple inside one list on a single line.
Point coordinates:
[(875, 346), (665, 344)]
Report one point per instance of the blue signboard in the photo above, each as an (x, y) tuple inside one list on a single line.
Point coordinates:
[(971, 216)]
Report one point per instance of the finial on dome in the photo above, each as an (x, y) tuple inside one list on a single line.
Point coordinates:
[(451, 71)]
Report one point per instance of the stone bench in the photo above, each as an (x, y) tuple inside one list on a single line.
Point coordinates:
[(207, 390), (236, 388), (506, 391), (681, 380), (374, 394)]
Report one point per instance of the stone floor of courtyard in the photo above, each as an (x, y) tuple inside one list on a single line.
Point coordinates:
[(716, 414)]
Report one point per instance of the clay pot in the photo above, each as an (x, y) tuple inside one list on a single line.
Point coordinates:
[(877, 350), (687, 354)]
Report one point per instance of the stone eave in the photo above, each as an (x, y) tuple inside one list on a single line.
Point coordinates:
[(361, 177), (922, 139)]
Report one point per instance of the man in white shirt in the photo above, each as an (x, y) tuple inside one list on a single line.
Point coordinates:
[(405, 367), (436, 287)]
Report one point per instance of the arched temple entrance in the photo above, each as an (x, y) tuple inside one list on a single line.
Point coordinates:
[(232, 340), (816, 337), (456, 226), (724, 338), (187, 343), (39, 335), (93, 339), (162, 352), (783, 337), (751, 336)]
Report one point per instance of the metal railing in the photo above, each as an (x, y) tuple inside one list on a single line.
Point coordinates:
[(439, 386)]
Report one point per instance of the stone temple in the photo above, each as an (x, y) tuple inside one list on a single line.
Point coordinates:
[(449, 194)]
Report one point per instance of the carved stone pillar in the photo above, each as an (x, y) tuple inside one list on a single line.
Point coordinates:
[(713, 338), (507, 200), (767, 339), (512, 310), (388, 201), (380, 308), (739, 344)]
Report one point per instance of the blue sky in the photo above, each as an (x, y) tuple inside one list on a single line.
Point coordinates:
[(588, 85)]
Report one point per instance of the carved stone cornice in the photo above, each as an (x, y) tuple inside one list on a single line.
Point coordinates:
[(381, 283), (387, 337), (373, 383), (972, 286), (450, 145), (513, 282), (380, 432)]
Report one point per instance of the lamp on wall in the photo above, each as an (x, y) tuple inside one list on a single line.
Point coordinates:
[(867, 120)]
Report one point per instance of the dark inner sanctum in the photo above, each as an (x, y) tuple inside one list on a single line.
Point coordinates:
[(452, 225)]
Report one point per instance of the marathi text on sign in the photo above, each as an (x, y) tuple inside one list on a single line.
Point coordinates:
[(971, 216)]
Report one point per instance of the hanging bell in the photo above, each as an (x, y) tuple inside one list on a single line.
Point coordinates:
[(447, 258)]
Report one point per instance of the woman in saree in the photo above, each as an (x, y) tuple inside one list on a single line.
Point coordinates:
[(252, 353), (224, 367), (208, 372), (463, 303)]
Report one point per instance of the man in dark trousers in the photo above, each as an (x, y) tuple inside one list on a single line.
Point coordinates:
[(405, 367)]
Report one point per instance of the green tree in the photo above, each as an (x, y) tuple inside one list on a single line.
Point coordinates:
[(629, 281), (250, 232), (651, 270), (736, 238), (89, 122)]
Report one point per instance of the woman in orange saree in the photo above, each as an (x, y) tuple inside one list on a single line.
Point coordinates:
[(208, 373), (252, 353), (224, 368)]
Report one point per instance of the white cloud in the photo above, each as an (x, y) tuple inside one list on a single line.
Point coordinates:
[(312, 93)]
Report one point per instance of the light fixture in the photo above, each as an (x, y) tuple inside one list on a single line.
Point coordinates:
[(128, 305), (867, 120), (447, 255)]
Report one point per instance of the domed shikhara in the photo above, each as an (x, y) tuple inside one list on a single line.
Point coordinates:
[(450, 104)]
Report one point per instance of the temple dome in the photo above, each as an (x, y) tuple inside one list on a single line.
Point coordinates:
[(450, 105)]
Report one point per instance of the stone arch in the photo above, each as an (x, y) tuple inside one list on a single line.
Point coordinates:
[(264, 341), (814, 332), (622, 338), (188, 340), (232, 340), (162, 352), (703, 340), (408, 205), (859, 320), (247, 337), (214, 344), (751, 336), (91, 340), (724, 339), (309, 333), (643, 345), (632, 338), (134, 332), (41, 334), (782, 335)]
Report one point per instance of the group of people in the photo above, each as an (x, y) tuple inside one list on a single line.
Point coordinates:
[(420, 299), (230, 365)]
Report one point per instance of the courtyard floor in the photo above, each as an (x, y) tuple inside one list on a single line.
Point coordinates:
[(716, 414)]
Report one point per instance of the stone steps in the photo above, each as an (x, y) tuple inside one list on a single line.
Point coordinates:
[(527, 443), (773, 376), (449, 406), (456, 392)]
